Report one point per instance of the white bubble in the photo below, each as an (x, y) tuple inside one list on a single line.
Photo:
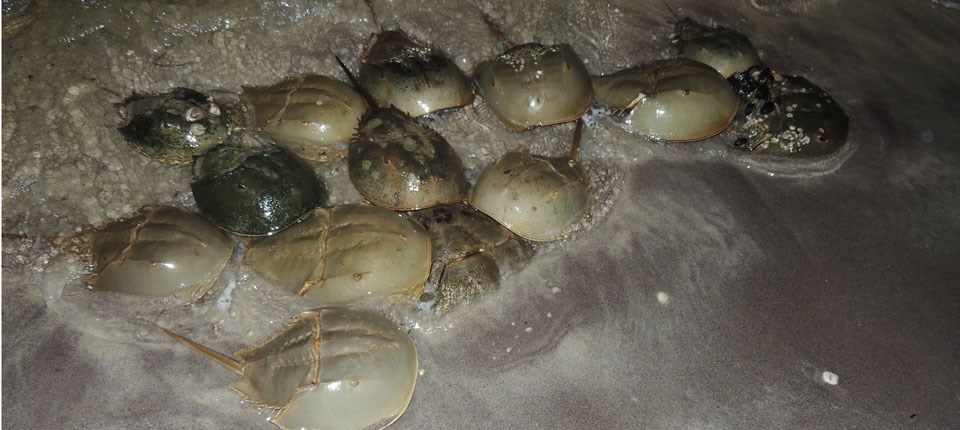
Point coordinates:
[(663, 297), (830, 377)]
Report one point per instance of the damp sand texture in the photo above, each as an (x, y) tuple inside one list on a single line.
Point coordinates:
[(712, 290)]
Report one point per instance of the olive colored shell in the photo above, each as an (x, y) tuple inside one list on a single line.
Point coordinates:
[(162, 251), (415, 79), (174, 127), (471, 252), (346, 254), (397, 163), (331, 368), (805, 121), (675, 100), (255, 191), (306, 114), (534, 85), (726, 50), (535, 197)]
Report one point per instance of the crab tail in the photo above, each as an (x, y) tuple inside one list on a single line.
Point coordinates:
[(219, 357), (373, 13), (356, 84), (577, 137), (353, 79), (497, 31), (675, 16)]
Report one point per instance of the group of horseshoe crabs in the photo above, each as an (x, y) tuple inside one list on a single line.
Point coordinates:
[(427, 235)]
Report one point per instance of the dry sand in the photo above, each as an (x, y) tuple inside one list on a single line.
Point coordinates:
[(712, 290)]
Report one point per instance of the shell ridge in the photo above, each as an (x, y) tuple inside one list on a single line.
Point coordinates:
[(357, 331), (315, 348), (382, 234), (319, 274), (387, 345), (124, 254), (259, 345), (180, 232)]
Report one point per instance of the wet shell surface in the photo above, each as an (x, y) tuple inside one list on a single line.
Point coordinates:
[(306, 114), (399, 72), (538, 198), (397, 163), (18, 15), (331, 368), (255, 191), (162, 251), (533, 85), (674, 100), (788, 116), (471, 253), (346, 254), (726, 50), (174, 127)]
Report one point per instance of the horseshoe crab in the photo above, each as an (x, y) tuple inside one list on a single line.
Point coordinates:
[(331, 368), (538, 198), (346, 254), (255, 191), (674, 100), (471, 253), (400, 164), (728, 51), (787, 116), (396, 71), (174, 127), (306, 114), (162, 251), (534, 85)]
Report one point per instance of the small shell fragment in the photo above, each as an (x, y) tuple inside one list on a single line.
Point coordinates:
[(162, 251)]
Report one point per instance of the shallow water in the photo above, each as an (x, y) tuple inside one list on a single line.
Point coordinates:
[(711, 289)]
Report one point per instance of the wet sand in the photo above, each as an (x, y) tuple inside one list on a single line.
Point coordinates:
[(712, 289)]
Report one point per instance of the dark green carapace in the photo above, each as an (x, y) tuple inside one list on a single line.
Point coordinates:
[(255, 191)]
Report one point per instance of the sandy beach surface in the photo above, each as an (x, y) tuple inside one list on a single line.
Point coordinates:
[(710, 289)]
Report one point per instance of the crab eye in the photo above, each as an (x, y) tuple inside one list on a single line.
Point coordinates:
[(197, 129), (194, 114)]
